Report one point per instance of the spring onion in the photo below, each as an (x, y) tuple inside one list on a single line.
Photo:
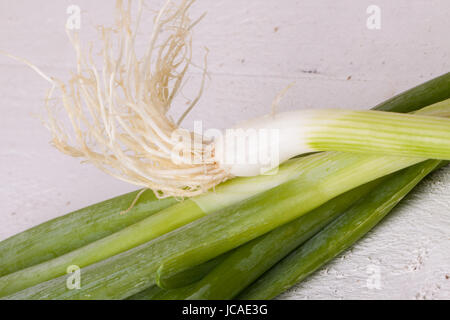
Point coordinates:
[(192, 275), (179, 281), (337, 173), (428, 93), (330, 175), (425, 94), (422, 95), (251, 260), (72, 231), (245, 264), (228, 228), (339, 235), (142, 128), (178, 216), (120, 123), (342, 130), (155, 225)]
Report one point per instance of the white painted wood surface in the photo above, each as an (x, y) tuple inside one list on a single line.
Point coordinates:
[(256, 49)]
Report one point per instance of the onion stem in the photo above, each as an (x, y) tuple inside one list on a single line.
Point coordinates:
[(246, 263), (330, 175), (75, 230), (339, 235), (369, 132)]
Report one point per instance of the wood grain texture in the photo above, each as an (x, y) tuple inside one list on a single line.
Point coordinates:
[(256, 49)]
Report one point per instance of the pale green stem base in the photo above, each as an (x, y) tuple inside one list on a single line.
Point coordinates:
[(383, 133)]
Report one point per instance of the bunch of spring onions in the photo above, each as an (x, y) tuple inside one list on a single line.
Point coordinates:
[(284, 227), (252, 236)]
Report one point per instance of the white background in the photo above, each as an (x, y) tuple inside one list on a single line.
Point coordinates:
[(256, 49)]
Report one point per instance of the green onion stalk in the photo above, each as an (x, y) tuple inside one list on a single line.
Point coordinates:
[(348, 228), (154, 225), (247, 263), (77, 229), (72, 231), (243, 265), (327, 175), (231, 193)]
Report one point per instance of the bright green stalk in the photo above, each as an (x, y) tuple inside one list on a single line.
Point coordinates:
[(327, 176), (339, 235), (72, 231), (152, 293), (182, 279), (135, 234), (246, 263), (428, 93), (192, 275), (160, 223)]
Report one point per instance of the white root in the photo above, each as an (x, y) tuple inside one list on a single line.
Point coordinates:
[(118, 112)]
